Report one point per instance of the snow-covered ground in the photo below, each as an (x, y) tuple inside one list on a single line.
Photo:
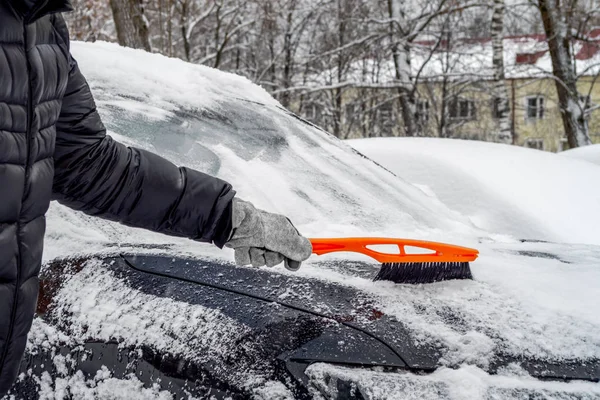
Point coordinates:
[(535, 299)]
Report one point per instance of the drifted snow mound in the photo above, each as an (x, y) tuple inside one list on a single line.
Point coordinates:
[(512, 190), (586, 153)]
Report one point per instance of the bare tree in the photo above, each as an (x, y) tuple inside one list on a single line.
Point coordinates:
[(408, 20), (130, 23), (499, 90), (191, 16), (90, 20), (401, 55), (357, 66), (560, 24)]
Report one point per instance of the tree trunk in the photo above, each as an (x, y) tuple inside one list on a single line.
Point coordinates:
[(559, 42), (289, 56), (161, 27), (407, 99), (401, 57), (341, 64), (170, 28), (499, 90), (130, 23), (183, 22), (443, 129)]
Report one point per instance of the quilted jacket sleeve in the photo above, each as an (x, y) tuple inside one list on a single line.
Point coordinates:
[(99, 176)]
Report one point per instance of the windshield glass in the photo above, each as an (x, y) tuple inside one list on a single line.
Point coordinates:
[(278, 161)]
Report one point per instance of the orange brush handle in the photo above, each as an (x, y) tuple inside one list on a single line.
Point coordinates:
[(438, 252)]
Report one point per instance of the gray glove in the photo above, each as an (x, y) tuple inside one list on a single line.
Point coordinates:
[(261, 238)]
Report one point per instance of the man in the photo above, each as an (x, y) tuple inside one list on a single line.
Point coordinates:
[(53, 145)]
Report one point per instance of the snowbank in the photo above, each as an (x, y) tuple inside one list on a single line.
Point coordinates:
[(526, 193), (586, 153)]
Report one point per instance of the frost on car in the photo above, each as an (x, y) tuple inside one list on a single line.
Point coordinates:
[(127, 314), (204, 328)]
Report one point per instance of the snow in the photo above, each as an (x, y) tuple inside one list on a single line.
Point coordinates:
[(158, 79), (518, 194), (522, 306), (102, 387), (589, 153), (535, 306), (466, 60), (273, 391), (95, 304), (464, 383), (473, 194), (524, 193)]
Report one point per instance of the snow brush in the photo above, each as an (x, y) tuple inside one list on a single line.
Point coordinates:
[(416, 261)]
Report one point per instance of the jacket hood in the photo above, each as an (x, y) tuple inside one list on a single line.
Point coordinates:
[(31, 10)]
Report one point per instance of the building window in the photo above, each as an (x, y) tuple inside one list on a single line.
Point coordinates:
[(385, 114), (423, 111), (461, 109), (351, 112), (534, 108), (313, 112), (535, 143), (496, 111), (349, 109)]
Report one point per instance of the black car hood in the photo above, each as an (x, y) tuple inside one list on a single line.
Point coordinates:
[(282, 332)]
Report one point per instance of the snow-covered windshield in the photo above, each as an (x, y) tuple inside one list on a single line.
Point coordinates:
[(232, 129)]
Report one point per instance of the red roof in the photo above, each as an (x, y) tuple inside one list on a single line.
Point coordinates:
[(444, 43), (590, 47), (529, 58)]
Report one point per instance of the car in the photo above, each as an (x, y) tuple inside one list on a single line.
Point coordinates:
[(126, 313)]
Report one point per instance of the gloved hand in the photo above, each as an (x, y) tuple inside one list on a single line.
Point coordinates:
[(261, 238)]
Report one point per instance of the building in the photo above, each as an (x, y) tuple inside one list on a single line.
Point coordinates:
[(453, 93)]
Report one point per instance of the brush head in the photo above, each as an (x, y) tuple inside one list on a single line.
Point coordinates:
[(426, 272)]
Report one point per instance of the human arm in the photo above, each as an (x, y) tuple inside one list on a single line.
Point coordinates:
[(101, 177)]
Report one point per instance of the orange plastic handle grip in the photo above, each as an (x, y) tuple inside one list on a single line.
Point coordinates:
[(438, 252)]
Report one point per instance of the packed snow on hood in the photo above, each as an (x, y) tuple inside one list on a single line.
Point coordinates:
[(587, 153), (102, 386), (532, 298)]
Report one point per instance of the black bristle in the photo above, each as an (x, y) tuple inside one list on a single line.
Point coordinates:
[(423, 272)]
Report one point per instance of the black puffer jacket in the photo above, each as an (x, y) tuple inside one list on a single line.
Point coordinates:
[(53, 145)]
